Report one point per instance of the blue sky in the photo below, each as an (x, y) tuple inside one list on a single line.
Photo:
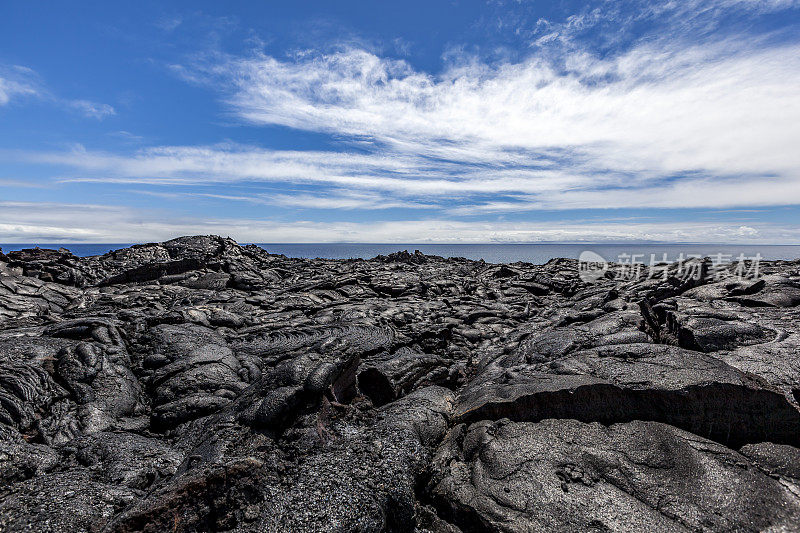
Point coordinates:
[(435, 121)]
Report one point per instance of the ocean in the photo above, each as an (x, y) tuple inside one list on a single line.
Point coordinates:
[(491, 253)]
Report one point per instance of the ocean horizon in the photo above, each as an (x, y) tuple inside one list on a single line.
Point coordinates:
[(537, 253)]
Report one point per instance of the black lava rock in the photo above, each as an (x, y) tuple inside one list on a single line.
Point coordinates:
[(199, 385)]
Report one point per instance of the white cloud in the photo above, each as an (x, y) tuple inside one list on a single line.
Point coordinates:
[(340, 199), (687, 193), (665, 124), (92, 109), (712, 126), (343, 200), (55, 222), (619, 20), (126, 136), (28, 184), (16, 81), (168, 23), (719, 109), (669, 122)]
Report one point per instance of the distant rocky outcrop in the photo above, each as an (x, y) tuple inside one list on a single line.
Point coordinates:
[(200, 385)]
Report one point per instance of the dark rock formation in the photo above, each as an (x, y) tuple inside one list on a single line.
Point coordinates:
[(199, 385), (565, 475)]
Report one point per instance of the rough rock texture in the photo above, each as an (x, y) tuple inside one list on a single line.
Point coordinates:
[(200, 385), (565, 475)]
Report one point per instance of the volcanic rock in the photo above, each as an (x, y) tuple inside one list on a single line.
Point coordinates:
[(200, 385)]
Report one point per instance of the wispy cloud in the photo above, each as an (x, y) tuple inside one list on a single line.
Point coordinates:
[(17, 81), (21, 184), (168, 23), (345, 200), (680, 115), (126, 136), (721, 109), (341, 199), (620, 21), (57, 222), (684, 126), (92, 109)]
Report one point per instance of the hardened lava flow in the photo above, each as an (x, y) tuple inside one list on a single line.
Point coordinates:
[(200, 385)]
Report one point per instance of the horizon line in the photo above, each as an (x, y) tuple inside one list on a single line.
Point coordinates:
[(520, 243)]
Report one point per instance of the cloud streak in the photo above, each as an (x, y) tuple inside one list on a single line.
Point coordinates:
[(723, 109), (341, 199), (58, 222), (618, 20), (661, 125), (17, 81), (683, 117), (92, 109)]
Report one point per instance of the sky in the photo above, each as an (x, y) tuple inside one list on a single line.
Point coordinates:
[(401, 122)]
